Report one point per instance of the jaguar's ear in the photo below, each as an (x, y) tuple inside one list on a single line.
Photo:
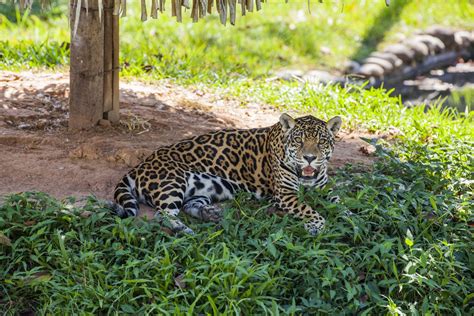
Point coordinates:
[(334, 125), (287, 122)]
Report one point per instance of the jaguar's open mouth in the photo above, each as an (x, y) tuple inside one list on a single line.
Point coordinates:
[(308, 175), (308, 171)]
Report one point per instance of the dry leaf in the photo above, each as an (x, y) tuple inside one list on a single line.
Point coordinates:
[(39, 277), (274, 210), (4, 240), (368, 150), (86, 214), (167, 231), (179, 282)]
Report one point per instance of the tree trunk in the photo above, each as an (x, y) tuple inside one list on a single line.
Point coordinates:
[(94, 68)]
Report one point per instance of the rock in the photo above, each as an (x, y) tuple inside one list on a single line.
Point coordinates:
[(316, 76), (289, 74), (421, 49), (385, 64), (351, 67), (131, 157), (368, 150), (86, 151), (446, 35), (371, 70), (325, 50), (435, 45), (392, 58), (403, 52), (462, 39), (104, 123)]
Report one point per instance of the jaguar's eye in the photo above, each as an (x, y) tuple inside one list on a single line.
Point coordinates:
[(298, 139)]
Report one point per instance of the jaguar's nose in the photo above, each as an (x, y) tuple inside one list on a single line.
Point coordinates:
[(309, 158)]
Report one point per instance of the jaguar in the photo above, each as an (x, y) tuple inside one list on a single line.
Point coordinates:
[(270, 162)]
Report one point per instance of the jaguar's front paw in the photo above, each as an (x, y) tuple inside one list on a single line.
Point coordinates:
[(314, 227), (187, 230), (174, 224), (178, 227), (211, 213)]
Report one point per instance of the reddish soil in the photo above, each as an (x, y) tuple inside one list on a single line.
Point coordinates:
[(38, 153)]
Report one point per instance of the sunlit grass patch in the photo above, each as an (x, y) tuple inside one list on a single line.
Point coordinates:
[(280, 35), (372, 110)]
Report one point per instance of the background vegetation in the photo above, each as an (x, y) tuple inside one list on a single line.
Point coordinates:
[(281, 35), (406, 248)]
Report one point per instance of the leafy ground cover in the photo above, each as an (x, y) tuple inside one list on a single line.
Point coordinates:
[(406, 248)]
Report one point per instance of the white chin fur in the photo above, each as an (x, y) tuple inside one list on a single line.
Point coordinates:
[(307, 182)]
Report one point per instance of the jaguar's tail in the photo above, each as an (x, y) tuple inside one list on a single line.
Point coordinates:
[(126, 198)]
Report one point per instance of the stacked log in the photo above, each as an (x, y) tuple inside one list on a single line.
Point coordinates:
[(433, 48)]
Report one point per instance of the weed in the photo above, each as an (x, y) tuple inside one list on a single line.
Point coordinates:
[(281, 35), (406, 248)]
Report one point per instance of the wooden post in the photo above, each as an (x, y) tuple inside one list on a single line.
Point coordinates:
[(94, 66), (111, 63)]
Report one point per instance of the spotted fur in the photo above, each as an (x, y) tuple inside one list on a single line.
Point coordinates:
[(267, 162)]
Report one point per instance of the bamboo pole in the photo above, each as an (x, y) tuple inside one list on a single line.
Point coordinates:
[(94, 66)]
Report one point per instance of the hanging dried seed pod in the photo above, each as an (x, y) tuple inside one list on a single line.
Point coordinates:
[(209, 6), (123, 7), (45, 3), (243, 4), (186, 4), (232, 10), (116, 7), (250, 5), (144, 15), (77, 16), (195, 11), (100, 7), (202, 8), (173, 8), (222, 9), (154, 9), (178, 5)]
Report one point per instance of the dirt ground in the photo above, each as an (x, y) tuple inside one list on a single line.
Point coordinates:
[(38, 153)]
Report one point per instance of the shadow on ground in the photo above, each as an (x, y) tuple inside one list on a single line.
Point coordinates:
[(40, 154)]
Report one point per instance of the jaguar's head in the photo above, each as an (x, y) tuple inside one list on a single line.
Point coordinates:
[(308, 144)]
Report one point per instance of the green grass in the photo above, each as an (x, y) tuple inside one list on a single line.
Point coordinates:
[(372, 110), (281, 35), (462, 100), (407, 248)]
